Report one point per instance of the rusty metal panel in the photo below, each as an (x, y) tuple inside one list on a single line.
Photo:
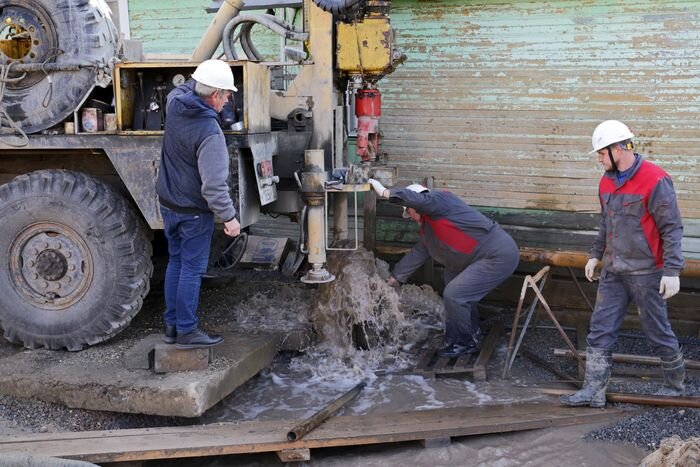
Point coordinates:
[(498, 100)]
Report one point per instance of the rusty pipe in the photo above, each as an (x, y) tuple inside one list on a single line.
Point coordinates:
[(578, 259), (319, 417), (212, 36)]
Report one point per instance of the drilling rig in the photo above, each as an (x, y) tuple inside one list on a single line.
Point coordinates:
[(81, 129)]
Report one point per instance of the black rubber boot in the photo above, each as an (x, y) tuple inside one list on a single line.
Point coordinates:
[(674, 376), (598, 368)]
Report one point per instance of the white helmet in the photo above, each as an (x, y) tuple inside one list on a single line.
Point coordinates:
[(215, 73), (418, 188), (610, 132)]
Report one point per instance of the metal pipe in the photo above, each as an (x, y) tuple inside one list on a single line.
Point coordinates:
[(212, 36), (578, 259), (313, 180), (628, 358), (643, 399), (319, 417)]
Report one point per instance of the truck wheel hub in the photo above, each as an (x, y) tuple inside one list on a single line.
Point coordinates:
[(51, 265)]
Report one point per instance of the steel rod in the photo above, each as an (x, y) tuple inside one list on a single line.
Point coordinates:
[(319, 417), (628, 358), (642, 399), (549, 367), (580, 289)]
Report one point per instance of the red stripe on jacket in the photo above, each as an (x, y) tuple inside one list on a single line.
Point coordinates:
[(642, 183), (451, 235)]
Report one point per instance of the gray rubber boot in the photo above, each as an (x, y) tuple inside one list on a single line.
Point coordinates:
[(674, 376), (598, 368)]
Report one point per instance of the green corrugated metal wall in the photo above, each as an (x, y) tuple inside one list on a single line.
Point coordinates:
[(175, 27), (498, 99)]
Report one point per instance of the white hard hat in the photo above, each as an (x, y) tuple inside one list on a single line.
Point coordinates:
[(215, 73), (609, 132), (418, 188)]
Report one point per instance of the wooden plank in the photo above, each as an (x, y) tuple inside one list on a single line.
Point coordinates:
[(294, 455), (270, 436), (489, 344)]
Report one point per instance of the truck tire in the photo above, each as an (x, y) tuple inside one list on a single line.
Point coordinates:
[(76, 260), (63, 32)]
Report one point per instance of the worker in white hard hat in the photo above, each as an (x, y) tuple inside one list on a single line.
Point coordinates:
[(476, 252), (193, 192), (639, 243)]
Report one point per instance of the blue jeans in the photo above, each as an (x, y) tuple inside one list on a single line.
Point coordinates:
[(189, 240)]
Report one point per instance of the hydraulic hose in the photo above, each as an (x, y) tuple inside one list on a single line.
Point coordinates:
[(341, 7), (271, 22)]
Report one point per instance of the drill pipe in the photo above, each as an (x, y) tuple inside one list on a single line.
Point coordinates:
[(319, 417)]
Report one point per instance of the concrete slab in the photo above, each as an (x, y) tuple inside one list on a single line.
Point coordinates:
[(167, 358), (98, 378)]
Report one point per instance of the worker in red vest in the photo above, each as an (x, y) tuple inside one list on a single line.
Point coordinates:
[(477, 254), (639, 242)]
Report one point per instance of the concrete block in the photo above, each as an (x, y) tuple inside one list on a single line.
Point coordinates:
[(436, 442), (167, 359), (140, 356), (93, 380)]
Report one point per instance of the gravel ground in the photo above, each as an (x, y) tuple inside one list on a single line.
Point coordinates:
[(252, 291), (645, 429)]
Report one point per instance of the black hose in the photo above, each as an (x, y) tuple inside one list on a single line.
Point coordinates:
[(341, 7)]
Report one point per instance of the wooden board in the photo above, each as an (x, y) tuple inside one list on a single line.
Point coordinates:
[(270, 436), (430, 364)]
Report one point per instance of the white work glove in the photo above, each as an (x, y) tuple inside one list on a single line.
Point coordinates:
[(590, 269), (670, 285), (379, 188)]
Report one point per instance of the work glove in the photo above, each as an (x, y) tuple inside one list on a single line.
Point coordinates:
[(590, 269), (670, 285), (379, 188)]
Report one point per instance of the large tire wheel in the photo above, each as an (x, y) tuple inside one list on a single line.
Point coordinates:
[(63, 32), (75, 260)]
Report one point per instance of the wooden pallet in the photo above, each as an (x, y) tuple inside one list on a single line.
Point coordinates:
[(432, 365), (430, 427)]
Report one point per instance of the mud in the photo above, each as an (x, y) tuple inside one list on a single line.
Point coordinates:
[(296, 385)]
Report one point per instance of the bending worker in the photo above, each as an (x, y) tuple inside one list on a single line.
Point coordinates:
[(640, 243), (477, 254)]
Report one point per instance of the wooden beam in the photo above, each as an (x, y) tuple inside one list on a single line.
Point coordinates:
[(270, 436)]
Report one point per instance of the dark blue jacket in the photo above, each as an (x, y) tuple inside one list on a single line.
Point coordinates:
[(194, 167), (453, 233)]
